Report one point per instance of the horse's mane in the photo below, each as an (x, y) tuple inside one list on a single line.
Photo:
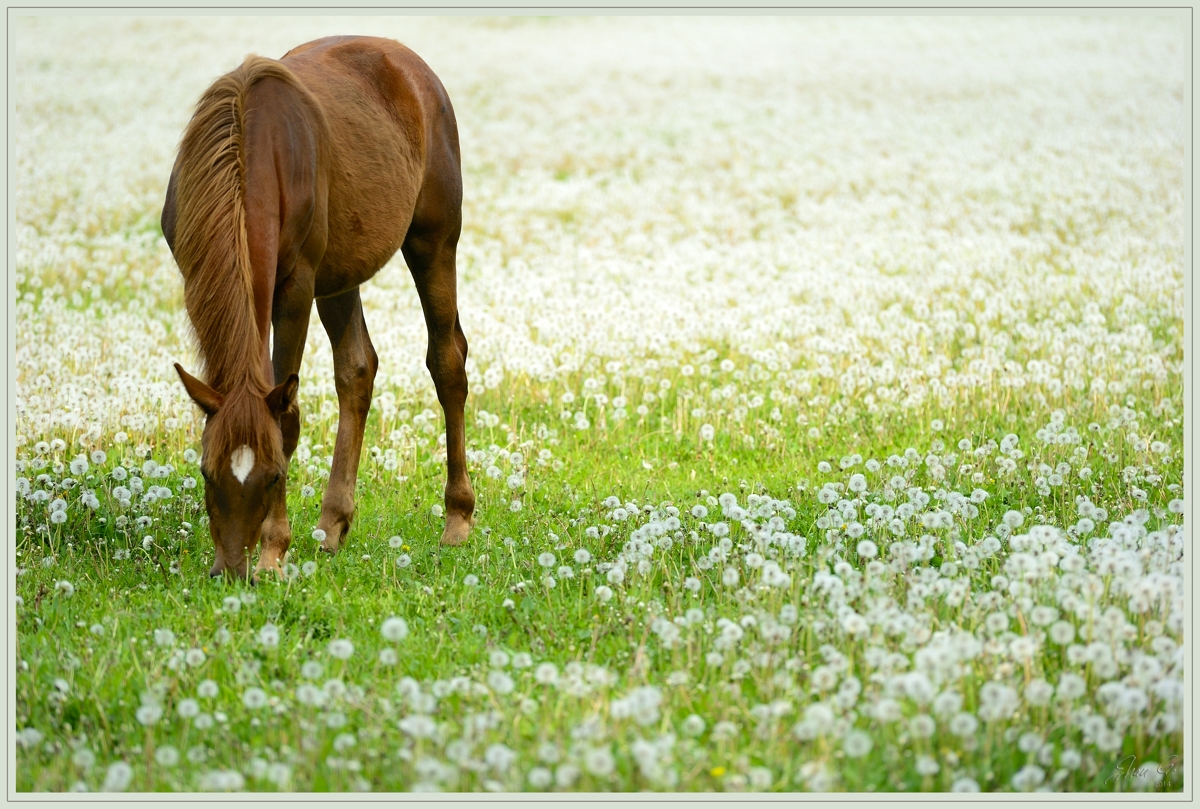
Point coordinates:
[(212, 251)]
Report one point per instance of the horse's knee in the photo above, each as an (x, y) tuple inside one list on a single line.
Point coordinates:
[(445, 355), (449, 373), (371, 369), (355, 381)]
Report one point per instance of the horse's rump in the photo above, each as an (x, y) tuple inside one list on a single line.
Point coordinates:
[(377, 132)]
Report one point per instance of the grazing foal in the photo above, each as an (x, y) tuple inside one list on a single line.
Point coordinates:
[(297, 180)]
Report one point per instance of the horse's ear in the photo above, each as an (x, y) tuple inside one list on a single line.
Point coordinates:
[(281, 398), (204, 396)]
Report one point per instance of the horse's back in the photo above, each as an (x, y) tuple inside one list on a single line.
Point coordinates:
[(381, 102)]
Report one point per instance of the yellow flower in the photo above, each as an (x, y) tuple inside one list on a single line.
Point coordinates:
[(717, 772)]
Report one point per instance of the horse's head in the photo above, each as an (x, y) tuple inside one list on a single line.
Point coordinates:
[(244, 462)]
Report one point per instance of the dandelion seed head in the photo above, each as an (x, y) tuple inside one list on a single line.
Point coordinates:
[(340, 648)]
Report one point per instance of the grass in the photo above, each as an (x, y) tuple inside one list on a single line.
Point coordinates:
[(82, 688)]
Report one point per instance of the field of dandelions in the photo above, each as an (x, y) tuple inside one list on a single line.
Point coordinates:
[(825, 418)]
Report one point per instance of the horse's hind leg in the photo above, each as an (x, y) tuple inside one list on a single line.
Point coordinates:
[(430, 253), (354, 366)]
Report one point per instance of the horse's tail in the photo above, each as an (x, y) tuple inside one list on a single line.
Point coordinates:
[(210, 241)]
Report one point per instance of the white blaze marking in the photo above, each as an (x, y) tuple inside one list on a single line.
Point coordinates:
[(242, 461)]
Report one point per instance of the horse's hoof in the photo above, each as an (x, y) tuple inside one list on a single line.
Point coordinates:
[(261, 570), (457, 530), (334, 538)]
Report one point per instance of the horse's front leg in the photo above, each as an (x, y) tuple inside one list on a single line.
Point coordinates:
[(289, 316), (354, 366)]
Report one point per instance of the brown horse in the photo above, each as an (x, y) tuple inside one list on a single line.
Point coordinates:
[(297, 180)]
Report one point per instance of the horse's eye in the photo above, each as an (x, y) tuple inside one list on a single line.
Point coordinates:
[(275, 480)]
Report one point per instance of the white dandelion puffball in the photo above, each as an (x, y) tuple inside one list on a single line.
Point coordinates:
[(394, 629), (341, 648), (254, 698)]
